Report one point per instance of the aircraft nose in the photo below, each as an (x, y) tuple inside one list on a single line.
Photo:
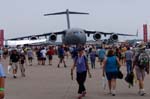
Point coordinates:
[(77, 33)]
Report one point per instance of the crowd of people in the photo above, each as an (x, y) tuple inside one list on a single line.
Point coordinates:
[(110, 59)]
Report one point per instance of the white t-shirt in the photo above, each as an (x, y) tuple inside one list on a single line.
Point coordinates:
[(43, 52)]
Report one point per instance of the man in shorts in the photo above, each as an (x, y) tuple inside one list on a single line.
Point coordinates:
[(14, 59), (61, 56), (140, 72)]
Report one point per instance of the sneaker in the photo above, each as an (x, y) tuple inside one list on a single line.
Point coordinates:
[(113, 93), (83, 94), (142, 93), (15, 76)]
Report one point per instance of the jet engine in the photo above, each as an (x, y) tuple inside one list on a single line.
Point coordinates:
[(97, 36), (114, 37), (33, 38), (53, 37)]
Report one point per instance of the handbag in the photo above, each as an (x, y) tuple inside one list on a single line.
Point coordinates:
[(130, 78), (104, 81), (119, 74)]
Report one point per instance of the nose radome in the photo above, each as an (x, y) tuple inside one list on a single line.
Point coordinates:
[(77, 33)]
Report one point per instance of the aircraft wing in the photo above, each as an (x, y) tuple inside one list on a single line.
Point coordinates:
[(108, 33), (37, 35)]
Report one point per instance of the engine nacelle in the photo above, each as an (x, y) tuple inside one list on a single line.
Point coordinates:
[(33, 38), (97, 36), (114, 37), (53, 37)]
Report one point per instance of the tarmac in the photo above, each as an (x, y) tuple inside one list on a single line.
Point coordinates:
[(50, 82)]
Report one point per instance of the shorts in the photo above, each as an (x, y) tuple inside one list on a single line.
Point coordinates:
[(111, 75), (30, 58), (61, 57), (43, 58), (140, 73), (39, 58), (101, 59), (14, 65), (50, 57)]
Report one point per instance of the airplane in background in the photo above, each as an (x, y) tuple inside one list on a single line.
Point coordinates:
[(73, 36)]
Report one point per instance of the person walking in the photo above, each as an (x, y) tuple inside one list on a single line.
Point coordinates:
[(128, 58), (22, 61), (81, 64), (110, 68), (14, 59), (50, 54), (30, 56), (101, 55), (43, 53), (61, 55), (93, 57), (141, 65)]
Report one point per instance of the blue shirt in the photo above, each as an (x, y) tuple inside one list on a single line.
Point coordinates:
[(102, 53), (111, 64), (81, 64), (61, 51), (2, 73), (128, 55), (93, 55)]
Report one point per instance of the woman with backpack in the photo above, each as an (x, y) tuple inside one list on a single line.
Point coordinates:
[(80, 62)]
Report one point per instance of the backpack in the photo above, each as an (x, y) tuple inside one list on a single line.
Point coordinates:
[(85, 59), (143, 60)]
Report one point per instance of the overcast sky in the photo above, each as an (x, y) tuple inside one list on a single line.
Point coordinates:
[(25, 17)]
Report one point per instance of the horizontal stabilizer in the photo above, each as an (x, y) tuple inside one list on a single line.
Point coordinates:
[(70, 12), (65, 12), (58, 13)]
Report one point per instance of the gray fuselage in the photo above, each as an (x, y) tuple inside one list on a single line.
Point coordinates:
[(74, 36)]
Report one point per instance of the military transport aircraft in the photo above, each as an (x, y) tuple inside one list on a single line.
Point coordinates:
[(73, 35)]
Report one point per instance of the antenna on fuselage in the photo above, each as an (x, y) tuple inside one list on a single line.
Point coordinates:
[(67, 12)]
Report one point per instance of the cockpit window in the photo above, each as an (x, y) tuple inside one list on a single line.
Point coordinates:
[(77, 32)]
